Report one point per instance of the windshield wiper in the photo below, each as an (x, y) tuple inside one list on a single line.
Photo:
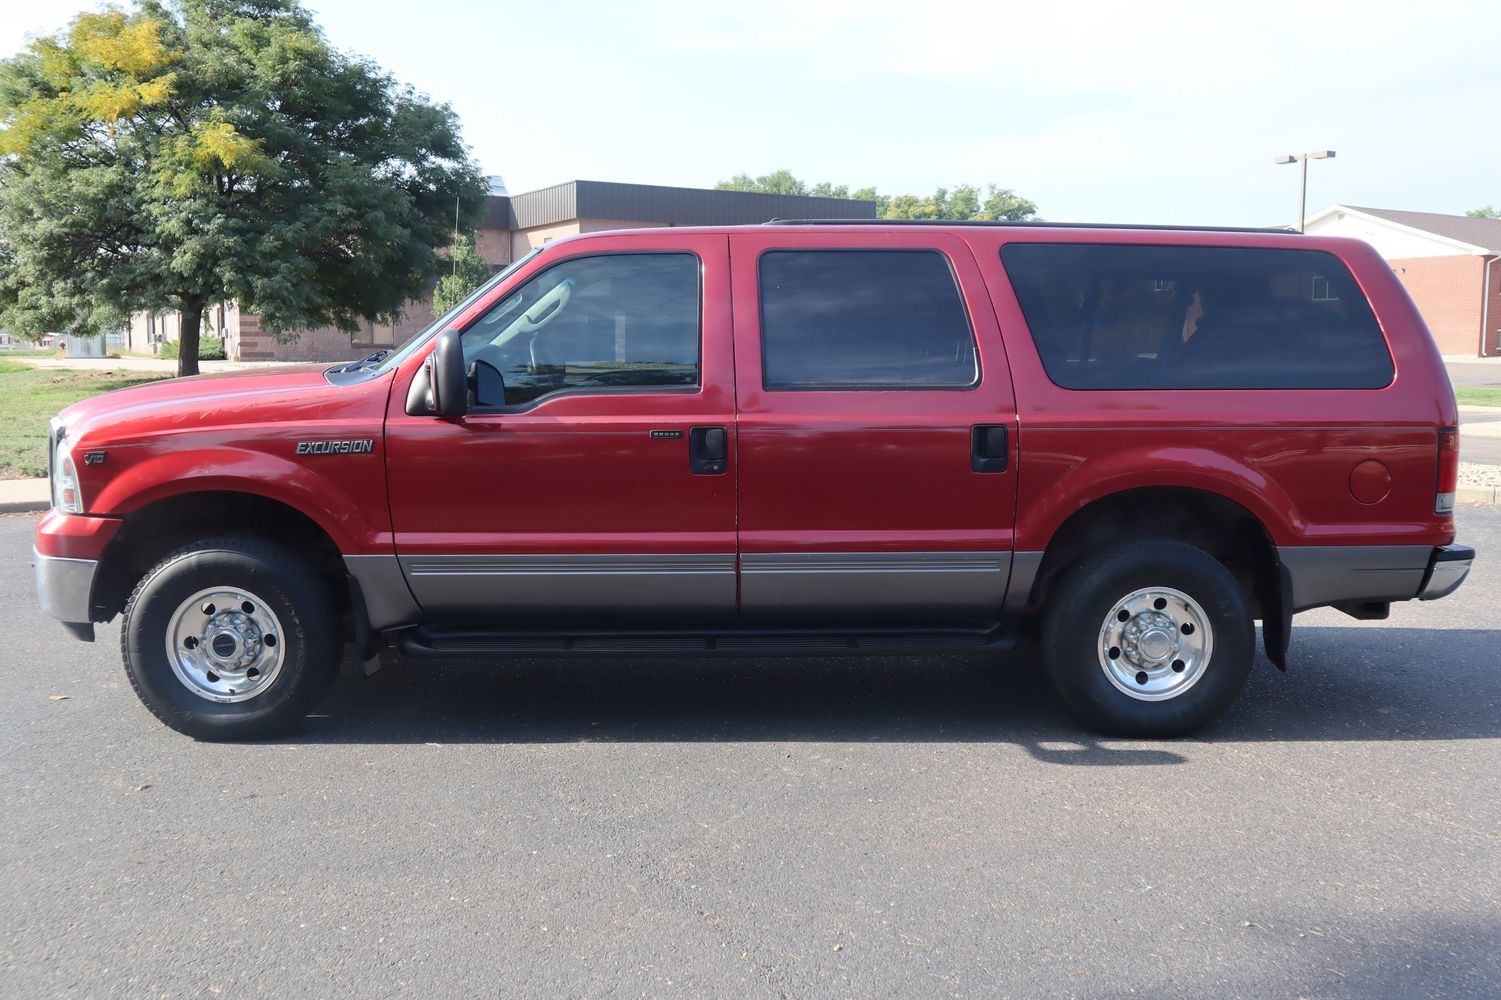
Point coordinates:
[(363, 363)]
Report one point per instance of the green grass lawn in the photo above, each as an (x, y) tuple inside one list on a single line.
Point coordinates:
[(29, 397), (1477, 396)]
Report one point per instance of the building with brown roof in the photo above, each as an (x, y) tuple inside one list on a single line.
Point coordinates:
[(1448, 263), (512, 225)]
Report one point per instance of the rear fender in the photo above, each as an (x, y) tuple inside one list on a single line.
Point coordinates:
[(1088, 479)]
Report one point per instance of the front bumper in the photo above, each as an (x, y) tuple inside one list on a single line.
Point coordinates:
[(1446, 571), (66, 558), (64, 586)]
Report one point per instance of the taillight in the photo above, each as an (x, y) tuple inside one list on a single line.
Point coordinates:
[(1448, 470)]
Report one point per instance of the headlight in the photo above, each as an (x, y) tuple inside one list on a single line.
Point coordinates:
[(66, 496)]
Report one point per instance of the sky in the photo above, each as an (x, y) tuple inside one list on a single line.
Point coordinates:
[(1126, 111)]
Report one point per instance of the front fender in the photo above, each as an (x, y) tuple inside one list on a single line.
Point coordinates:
[(343, 505)]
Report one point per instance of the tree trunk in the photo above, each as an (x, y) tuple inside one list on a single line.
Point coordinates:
[(187, 341)]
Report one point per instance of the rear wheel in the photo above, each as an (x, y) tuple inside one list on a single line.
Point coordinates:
[(231, 638), (1149, 638)]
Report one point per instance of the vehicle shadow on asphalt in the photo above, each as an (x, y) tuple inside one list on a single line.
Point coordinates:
[(1344, 684), (826, 700)]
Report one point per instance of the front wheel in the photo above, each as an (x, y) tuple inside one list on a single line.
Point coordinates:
[(1149, 638), (231, 638)]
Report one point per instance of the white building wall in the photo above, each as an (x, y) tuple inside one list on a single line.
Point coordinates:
[(1391, 241)]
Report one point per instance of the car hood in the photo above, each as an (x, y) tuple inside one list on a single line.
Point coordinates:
[(285, 392)]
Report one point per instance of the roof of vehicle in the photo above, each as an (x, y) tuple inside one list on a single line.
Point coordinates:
[(1042, 232), (1027, 225)]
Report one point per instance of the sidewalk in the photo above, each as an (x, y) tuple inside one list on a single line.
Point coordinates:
[(23, 494)]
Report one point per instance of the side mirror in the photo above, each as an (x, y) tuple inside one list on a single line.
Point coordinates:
[(450, 387), (487, 387)]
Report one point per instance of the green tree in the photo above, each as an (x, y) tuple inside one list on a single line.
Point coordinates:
[(171, 157), (964, 202), (1005, 204), (777, 182), (468, 270), (1484, 212)]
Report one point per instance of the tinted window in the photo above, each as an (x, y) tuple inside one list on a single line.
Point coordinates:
[(618, 321), (1134, 317), (863, 319)]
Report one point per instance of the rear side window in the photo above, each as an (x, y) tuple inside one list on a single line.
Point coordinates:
[(1160, 317), (863, 319)]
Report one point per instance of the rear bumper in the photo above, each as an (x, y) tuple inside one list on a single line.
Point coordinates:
[(1324, 575), (64, 586), (1446, 571)]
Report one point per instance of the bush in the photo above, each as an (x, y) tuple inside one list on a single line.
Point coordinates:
[(209, 349)]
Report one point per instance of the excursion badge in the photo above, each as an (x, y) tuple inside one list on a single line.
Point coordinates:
[(360, 446)]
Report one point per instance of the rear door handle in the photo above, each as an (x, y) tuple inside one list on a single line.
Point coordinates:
[(988, 448), (708, 451)]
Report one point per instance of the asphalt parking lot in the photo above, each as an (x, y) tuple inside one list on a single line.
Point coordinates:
[(783, 828)]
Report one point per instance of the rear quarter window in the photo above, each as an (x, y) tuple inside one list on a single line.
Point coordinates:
[(1184, 317)]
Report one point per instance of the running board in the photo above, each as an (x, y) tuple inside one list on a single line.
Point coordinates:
[(440, 641)]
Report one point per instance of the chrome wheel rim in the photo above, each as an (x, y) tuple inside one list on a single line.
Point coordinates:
[(225, 645), (1155, 643)]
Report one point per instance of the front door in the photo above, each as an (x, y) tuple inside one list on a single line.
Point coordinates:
[(877, 429), (603, 490)]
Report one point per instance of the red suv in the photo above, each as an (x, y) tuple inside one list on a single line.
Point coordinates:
[(1128, 443)]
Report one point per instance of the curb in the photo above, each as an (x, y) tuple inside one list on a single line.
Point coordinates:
[(1478, 494), (24, 495)]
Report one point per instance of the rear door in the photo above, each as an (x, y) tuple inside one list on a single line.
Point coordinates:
[(876, 429)]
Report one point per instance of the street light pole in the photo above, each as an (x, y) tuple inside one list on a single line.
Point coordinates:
[(1302, 192), (1302, 160)]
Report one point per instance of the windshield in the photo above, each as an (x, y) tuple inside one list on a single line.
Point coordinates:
[(391, 361)]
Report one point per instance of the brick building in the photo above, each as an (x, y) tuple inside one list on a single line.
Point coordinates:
[(1449, 264), (512, 225)]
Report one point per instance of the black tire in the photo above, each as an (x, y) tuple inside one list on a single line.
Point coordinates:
[(1085, 596), (310, 639)]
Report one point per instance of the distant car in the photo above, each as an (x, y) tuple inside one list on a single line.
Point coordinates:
[(799, 438)]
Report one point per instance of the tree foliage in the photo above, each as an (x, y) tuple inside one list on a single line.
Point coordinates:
[(1484, 212), (964, 202), (171, 157), (468, 270), (776, 182)]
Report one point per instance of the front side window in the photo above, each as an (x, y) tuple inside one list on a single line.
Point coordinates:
[(863, 319), (608, 322), (1186, 317)]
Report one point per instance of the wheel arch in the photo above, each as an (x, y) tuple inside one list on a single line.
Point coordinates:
[(162, 525), (1209, 520)]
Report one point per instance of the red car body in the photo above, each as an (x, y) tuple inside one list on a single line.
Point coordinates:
[(811, 479)]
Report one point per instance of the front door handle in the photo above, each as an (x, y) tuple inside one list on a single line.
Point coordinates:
[(988, 448), (708, 451)]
